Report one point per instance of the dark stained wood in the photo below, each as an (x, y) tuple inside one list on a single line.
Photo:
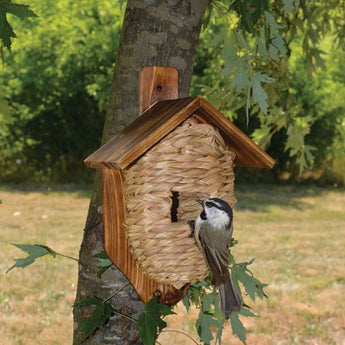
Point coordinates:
[(142, 133), (157, 84), (161, 119), (116, 245)]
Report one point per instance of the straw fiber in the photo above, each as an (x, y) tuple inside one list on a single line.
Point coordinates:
[(192, 162)]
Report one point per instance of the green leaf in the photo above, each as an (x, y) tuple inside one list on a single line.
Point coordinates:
[(262, 136), (253, 286), (279, 43), (247, 312), (261, 44), (104, 263), (237, 327), (19, 10), (288, 4), (150, 321), (6, 30), (203, 326), (273, 51), (241, 80), (220, 331), (97, 317), (35, 251), (259, 94)]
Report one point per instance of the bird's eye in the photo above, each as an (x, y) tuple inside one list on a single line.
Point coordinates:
[(209, 204)]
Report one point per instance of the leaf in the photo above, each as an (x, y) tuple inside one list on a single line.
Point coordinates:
[(279, 43), (259, 94), (241, 80), (19, 10), (262, 136), (150, 321), (229, 53), (104, 263), (35, 251), (203, 326), (261, 44), (273, 51), (288, 4), (247, 312), (97, 318), (6, 30), (237, 327), (253, 286), (220, 331)]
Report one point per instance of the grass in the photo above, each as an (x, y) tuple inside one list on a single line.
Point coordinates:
[(296, 234)]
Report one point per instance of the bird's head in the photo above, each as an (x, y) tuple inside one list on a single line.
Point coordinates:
[(216, 212)]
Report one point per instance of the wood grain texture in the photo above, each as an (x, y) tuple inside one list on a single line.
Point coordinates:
[(161, 119), (116, 245), (157, 84)]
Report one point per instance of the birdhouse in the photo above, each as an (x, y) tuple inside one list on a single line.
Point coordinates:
[(179, 150)]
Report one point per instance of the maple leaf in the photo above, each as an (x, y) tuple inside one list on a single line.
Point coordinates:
[(35, 251), (150, 322)]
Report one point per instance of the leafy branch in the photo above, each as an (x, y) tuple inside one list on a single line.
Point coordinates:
[(204, 296), (35, 251), (6, 30), (151, 322)]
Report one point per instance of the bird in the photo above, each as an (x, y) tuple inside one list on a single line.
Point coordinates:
[(213, 230)]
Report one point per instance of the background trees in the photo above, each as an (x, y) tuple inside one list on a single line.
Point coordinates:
[(54, 86)]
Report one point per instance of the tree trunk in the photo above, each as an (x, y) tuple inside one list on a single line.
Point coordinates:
[(154, 33)]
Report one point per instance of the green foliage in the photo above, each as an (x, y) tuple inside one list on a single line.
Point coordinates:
[(253, 287), (104, 263), (35, 251), (6, 30), (55, 87), (98, 316), (150, 322), (47, 127), (205, 297), (293, 42)]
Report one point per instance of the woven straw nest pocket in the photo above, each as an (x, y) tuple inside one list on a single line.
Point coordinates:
[(161, 188)]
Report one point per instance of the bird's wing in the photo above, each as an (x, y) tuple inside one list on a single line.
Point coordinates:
[(214, 244)]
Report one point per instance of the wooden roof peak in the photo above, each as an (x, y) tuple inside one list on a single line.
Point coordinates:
[(162, 118)]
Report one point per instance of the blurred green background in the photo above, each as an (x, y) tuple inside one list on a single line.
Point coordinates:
[(54, 87)]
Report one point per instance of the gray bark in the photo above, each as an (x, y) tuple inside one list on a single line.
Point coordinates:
[(154, 33)]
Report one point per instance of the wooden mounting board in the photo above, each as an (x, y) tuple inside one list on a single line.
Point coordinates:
[(157, 84)]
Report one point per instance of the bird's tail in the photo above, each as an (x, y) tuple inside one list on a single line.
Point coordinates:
[(229, 298)]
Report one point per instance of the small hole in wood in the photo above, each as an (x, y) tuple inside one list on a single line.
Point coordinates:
[(159, 88), (174, 206)]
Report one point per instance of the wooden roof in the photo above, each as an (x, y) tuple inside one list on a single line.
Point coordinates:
[(162, 118)]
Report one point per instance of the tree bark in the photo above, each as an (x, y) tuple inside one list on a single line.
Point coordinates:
[(154, 33)]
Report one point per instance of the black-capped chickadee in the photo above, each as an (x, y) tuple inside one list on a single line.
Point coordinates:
[(213, 233)]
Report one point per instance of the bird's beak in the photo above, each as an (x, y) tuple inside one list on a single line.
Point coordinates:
[(201, 202)]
